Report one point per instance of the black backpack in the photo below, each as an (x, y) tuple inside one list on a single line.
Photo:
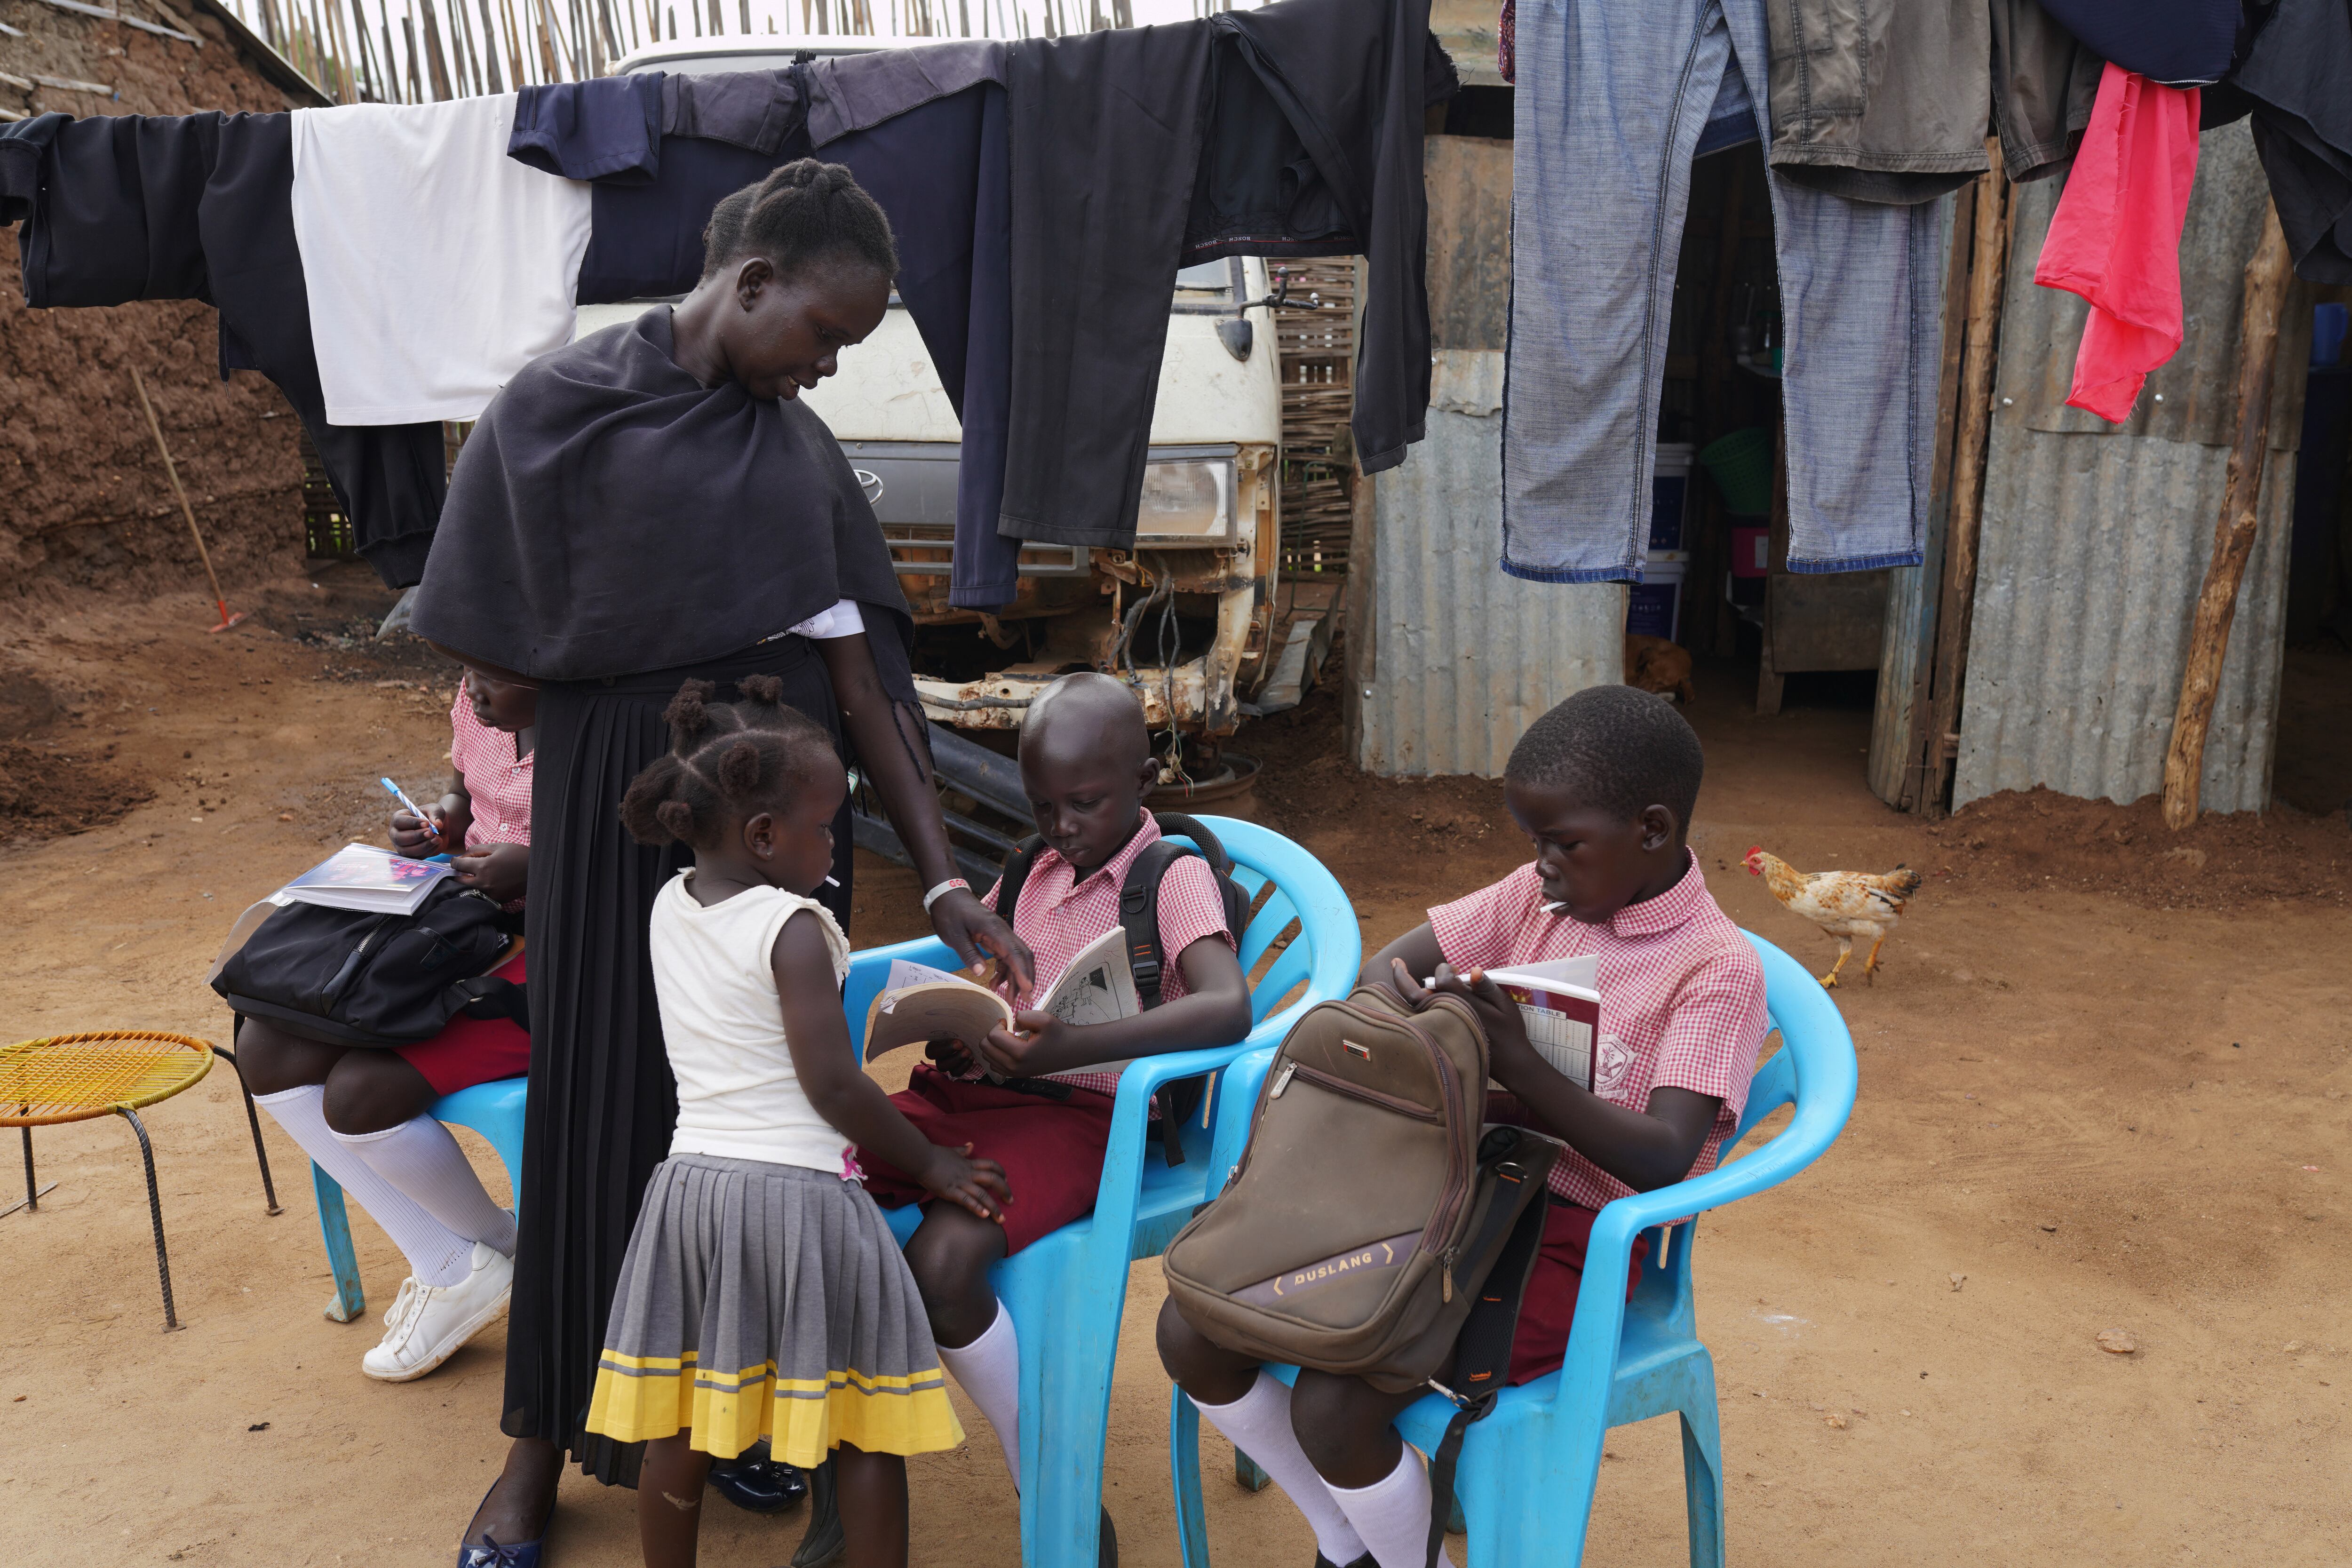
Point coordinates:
[(346, 977), (1139, 913)]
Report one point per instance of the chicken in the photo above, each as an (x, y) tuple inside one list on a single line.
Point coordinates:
[(1847, 904), (1654, 664)]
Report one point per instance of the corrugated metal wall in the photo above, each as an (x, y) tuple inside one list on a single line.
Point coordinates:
[(1464, 657), (2094, 543)]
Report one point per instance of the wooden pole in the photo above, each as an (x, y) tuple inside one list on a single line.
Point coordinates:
[(2233, 530), (1987, 273), (170, 469)]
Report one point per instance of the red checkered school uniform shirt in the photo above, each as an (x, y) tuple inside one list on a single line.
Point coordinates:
[(498, 782), (1682, 998), (1057, 919)]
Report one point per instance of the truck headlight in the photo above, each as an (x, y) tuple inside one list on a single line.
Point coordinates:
[(1189, 502)]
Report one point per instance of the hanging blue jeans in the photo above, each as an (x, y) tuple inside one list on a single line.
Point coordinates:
[(1612, 101)]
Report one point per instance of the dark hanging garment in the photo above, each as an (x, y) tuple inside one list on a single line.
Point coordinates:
[(200, 208), (1355, 88), (2175, 43), (612, 514), (607, 128), (1290, 131), (2297, 76), (1105, 138)]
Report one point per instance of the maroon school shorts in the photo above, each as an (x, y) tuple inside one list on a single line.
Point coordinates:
[(468, 1051), (1549, 1306), (1052, 1150)]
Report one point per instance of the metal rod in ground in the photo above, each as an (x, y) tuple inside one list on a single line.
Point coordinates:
[(154, 1213), (171, 470), (253, 1121), (32, 1199)]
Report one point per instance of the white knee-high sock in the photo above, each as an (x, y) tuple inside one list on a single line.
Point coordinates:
[(423, 1160), (436, 1255), (1259, 1424), (990, 1371), (1392, 1515)]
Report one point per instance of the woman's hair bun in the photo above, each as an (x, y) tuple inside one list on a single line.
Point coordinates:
[(804, 211)]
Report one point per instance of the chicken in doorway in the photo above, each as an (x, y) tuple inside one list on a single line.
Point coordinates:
[(1845, 904)]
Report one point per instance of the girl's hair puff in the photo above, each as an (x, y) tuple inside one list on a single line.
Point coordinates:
[(803, 213), (726, 760)]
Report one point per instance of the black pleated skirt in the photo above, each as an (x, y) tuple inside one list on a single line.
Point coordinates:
[(602, 1104)]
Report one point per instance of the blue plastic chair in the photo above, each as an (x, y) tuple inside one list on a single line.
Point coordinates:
[(1066, 1291), (494, 1109), (1527, 1470)]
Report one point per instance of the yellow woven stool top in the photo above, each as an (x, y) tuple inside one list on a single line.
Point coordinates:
[(71, 1078)]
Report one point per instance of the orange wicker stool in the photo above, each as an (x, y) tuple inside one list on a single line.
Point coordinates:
[(73, 1078)]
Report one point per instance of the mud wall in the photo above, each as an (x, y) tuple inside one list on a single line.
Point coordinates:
[(84, 500)]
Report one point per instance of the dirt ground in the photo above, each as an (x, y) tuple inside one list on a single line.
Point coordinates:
[(2082, 1110)]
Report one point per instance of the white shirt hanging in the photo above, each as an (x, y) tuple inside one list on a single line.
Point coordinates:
[(437, 265)]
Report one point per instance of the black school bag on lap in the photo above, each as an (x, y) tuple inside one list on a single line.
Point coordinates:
[(349, 978), (1138, 915)]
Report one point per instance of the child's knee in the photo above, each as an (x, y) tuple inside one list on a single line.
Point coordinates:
[(1180, 1343), (370, 1091), (950, 1253), (1338, 1420)]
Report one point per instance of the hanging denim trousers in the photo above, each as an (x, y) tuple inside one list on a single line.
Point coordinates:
[(1613, 99)]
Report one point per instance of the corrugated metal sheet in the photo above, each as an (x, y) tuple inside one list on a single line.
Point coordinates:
[(2095, 536), (2094, 549), (2193, 397), (1463, 657)]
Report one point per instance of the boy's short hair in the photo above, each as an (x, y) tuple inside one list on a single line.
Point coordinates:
[(1618, 748)]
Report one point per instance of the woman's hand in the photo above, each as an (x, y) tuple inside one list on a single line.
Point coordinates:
[(502, 871), (1042, 1044), (977, 1185), (972, 929)]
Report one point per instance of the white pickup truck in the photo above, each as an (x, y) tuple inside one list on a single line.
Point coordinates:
[(1189, 611)]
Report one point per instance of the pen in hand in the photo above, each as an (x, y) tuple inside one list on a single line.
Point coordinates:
[(414, 810)]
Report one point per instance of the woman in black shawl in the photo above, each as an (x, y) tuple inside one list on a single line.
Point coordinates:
[(649, 504)]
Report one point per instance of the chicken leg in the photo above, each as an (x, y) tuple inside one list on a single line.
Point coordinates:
[(1870, 964), (1846, 950)]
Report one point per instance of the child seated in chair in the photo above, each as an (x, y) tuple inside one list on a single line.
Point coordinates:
[(363, 1114), (1603, 786), (1086, 764)]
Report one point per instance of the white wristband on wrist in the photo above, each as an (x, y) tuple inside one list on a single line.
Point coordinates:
[(942, 890)]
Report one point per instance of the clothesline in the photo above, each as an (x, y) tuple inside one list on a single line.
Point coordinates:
[(423, 51)]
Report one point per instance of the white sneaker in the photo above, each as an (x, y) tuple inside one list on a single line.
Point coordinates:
[(428, 1324)]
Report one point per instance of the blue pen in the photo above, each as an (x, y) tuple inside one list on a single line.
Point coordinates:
[(414, 810)]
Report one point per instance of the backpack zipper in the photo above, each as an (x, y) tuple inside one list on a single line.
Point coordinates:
[(1353, 1091)]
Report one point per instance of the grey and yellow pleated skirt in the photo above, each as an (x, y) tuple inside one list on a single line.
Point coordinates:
[(763, 1301)]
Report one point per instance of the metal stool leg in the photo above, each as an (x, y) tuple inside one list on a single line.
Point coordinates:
[(32, 1198), (155, 1212), (253, 1121)]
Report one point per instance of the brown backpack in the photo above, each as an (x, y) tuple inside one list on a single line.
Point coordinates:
[(1370, 1204)]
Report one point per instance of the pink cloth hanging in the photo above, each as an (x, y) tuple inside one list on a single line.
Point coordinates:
[(2116, 236)]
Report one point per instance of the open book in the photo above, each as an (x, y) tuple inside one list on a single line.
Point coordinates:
[(1561, 1003), (918, 1002), (365, 877)]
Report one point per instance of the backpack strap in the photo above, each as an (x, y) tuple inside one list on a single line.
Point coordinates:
[(1015, 874), (1482, 1355), (1138, 912)]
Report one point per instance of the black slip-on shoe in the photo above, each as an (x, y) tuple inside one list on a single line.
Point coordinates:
[(823, 1543), (760, 1486)]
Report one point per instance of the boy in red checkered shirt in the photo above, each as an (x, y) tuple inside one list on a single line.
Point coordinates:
[(1086, 764), (1603, 785)]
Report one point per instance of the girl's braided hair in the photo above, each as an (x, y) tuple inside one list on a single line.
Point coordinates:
[(726, 759), (801, 213)]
